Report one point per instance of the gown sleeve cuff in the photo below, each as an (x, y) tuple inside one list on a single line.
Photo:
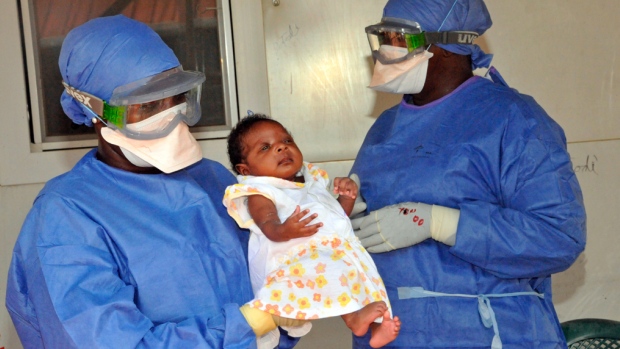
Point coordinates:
[(237, 333), (444, 222)]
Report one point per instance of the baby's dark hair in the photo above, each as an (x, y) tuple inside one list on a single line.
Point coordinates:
[(238, 133)]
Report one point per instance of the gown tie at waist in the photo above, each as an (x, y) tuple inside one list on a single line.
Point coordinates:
[(484, 305)]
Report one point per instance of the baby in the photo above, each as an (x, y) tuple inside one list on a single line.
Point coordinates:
[(302, 269)]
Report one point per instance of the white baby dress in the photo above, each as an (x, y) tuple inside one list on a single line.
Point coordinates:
[(324, 275)]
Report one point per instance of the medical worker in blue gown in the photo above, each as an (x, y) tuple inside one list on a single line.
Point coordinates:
[(471, 199), (132, 248)]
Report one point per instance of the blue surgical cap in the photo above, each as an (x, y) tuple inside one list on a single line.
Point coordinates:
[(108, 52), (447, 15)]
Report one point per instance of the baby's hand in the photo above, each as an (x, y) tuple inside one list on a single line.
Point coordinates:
[(296, 226), (345, 186)]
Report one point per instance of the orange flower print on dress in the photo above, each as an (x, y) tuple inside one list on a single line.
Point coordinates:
[(299, 284), (302, 252), (321, 281), (300, 315), (310, 284), (314, 255), (292, 297), (328, 302), (320, 268), (356, 288), (272, 309), (317, 297), (280, 273), (288, 309), (336, 242), (366, 301), (303, 303), (363, 277), (344, 299), (343, 280), (253, 190), (257, 303), (376, 296), (352, 274), (337, 255), (276, 295), (297, 270)]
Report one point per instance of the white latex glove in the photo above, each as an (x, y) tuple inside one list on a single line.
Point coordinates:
[(394, 227), (404, 225)]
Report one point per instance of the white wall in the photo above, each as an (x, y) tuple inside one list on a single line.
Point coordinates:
[(563, 52)]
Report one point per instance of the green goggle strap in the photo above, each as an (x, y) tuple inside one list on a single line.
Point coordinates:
[(114, 115), (414, 41)]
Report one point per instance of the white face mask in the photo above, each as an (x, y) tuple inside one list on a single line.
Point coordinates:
[(405, 77), (134, 159), (171, 153)]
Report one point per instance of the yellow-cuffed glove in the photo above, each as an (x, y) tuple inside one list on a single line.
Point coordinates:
[(406, 224), (260, 321)]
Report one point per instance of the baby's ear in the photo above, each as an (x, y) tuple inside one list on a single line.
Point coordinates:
[(242, 169)]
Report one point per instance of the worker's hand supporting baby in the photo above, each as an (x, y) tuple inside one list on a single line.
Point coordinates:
[(406, 224), (394, 227)]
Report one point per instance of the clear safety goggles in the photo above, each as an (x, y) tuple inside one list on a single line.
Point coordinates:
[(402, 33), (149, 108)]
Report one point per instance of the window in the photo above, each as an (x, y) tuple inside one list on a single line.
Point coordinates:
[(198, 31)]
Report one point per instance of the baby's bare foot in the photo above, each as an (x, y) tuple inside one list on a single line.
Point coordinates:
[(385, 332), (359, 321)]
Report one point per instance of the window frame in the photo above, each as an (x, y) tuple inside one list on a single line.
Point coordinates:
[(23, 162)]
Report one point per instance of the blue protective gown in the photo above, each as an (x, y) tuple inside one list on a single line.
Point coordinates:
[(112, 259), (495, 155)]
